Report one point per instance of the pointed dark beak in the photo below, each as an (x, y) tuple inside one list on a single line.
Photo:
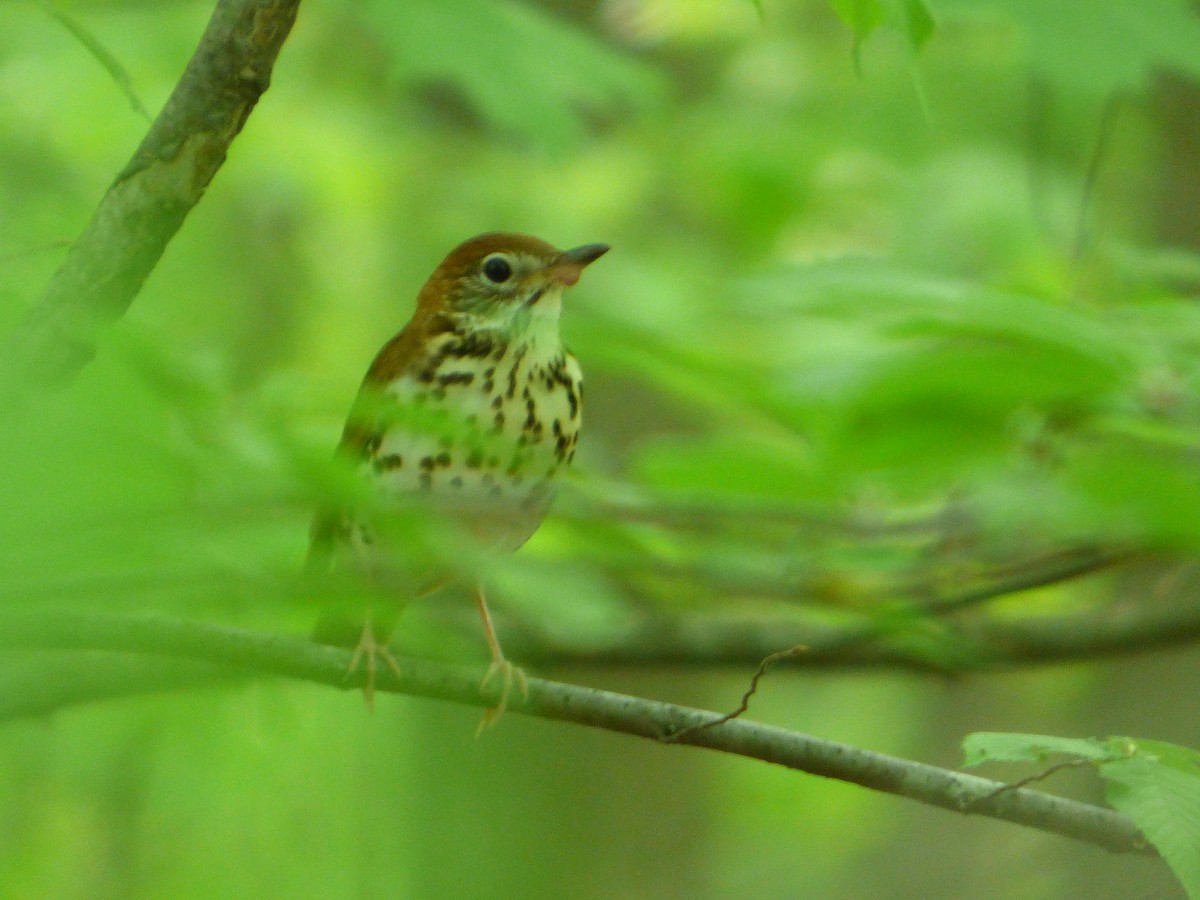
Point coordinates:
[(570, 263)]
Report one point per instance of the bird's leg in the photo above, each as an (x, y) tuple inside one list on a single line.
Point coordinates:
[(368, 653), (509, 674)]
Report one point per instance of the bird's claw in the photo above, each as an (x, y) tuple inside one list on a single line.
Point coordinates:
[(368, 653), (509, 675)]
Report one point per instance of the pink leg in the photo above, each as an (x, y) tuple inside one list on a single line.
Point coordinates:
[(500, 665)]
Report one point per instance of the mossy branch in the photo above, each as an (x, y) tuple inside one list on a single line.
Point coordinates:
[(148, 201)]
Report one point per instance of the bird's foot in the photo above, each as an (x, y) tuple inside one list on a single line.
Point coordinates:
[(368, 653), (509, 675)]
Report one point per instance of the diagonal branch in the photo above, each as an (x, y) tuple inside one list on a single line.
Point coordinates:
[(147, 203), (235, 651)]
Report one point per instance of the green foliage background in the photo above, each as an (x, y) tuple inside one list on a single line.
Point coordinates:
[(859, 269)]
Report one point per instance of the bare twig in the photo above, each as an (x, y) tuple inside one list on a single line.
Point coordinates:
[(744, 705), (147, 203), (1080, 763), (240, 651)]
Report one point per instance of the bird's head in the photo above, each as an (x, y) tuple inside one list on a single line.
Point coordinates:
[(505, 282)]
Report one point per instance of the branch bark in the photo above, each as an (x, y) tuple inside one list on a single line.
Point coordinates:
[(147, 203), (236, 652)]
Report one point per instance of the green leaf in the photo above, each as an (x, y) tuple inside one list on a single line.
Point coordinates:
[(995, 746), (1154, 783), (1158, 786), (527, 73)]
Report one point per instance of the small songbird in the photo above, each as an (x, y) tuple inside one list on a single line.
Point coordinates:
[(471, 412)]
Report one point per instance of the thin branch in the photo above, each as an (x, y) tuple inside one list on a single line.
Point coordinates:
[(1104, 133), (1028, 574), (147, 203), (247, 652), (100, 53)]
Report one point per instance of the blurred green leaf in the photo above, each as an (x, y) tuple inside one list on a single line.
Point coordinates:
[(932, 378), (898, 302), (909, 17), (565, 600), (1095, 49), (527, 73), (861, 16), (726, 466), (916, 23), (1140, 493)]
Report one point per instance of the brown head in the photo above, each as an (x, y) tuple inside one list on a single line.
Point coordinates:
[(504, 282)]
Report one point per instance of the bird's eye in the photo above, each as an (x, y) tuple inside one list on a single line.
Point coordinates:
[(497, 269)]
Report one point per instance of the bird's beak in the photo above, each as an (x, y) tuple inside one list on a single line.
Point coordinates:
[(568, 265)]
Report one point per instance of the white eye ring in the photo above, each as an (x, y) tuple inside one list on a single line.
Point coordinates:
[(497, 269)]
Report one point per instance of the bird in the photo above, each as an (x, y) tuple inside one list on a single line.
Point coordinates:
[(470, 413)]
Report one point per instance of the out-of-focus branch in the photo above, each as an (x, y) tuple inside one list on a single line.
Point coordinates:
[(980, 646), (930, 588), (1025, 575), (921, 626), (36, 684), (147, 203), (274, 655)]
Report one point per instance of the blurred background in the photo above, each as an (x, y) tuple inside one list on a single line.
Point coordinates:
[(901, 298)]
